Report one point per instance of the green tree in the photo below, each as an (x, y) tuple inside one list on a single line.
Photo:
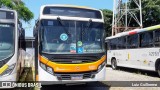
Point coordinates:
[(23, 12), (107, 21), (150, 12)]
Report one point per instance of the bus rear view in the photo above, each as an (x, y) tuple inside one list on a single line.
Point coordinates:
[(70, 44)]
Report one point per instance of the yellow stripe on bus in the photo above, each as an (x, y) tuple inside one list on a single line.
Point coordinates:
[(153, 27), (128, 56), (2, 69), (37, 77), (42, 60), (73, 67), (68, 5)]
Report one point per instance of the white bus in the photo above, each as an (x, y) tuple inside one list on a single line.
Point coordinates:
[(69, 44), (11, 50), (139, 48)]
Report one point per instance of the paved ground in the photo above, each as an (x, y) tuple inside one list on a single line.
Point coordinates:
[(127, 74)]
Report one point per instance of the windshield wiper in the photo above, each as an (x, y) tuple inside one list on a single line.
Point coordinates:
[(86, 28), (89, 23), (62, 24)]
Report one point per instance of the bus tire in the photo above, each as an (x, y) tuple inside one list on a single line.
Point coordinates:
[(114, 64), (158, 69)]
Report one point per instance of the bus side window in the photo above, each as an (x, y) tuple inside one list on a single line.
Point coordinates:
[(146, 39), (132, 41), (108, 47), (157, 38), (113, 44), (121, 43)]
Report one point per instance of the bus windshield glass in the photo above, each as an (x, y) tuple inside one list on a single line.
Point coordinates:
[(72, 37), (6, 40)]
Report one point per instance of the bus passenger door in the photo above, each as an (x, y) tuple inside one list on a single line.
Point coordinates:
[(134, 58)]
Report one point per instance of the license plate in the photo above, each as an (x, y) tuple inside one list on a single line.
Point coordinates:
[(76, 77)]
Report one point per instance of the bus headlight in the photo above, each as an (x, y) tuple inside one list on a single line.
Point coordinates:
[(49, 70), (101, 66), (43, 66), (8, 71), (46, 68)]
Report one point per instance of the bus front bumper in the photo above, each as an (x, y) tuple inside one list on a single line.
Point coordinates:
[(47, 79)]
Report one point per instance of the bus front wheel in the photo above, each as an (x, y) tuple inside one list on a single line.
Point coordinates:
[(158, 69), (114, 64)]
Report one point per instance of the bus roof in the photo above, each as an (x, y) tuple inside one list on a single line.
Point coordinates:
[(4, 9), (135, 31), (67, 5)]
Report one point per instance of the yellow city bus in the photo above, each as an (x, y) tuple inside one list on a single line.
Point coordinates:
[(69, 44)]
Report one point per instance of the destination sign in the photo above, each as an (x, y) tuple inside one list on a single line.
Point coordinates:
[(72, 12), (6, 14)]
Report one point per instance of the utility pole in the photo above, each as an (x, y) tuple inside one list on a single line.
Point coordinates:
[(124, 16)]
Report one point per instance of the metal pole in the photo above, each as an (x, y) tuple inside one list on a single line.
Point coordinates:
[(140, 7), (122, 12), (113, 22), (126, 10)]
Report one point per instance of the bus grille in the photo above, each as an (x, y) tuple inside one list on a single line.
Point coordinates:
[(68, 76), (74, 58)]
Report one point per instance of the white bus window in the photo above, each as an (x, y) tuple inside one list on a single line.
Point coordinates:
[(121, 43), (107, 44), (132, 41), (113, 44), (157, 38), (146, 39)]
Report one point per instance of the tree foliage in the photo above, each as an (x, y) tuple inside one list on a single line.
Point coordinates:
[(107, 21), (150, 12), (23, 12)]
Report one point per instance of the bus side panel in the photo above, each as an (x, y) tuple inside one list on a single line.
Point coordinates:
[(120, 56), (143, 58), (146, 57)]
